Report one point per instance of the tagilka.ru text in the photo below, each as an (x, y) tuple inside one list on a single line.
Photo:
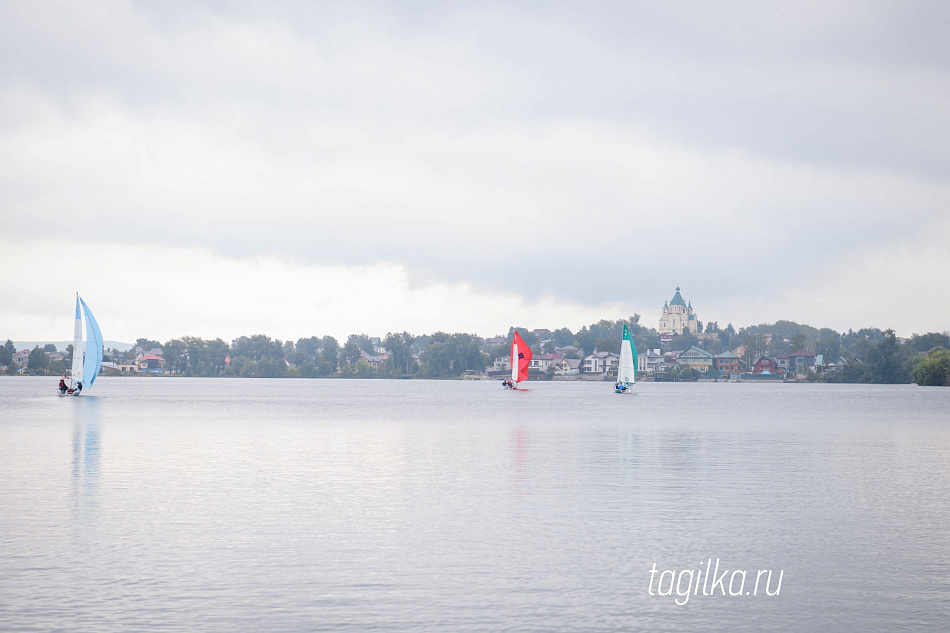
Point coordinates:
[(710, 580)]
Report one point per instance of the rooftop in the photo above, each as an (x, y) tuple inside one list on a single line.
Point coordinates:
[(677, 299)]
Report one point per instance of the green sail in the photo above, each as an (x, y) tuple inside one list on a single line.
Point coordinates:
[(627, 372)]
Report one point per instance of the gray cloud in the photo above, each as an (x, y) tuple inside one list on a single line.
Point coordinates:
[(564, 149)]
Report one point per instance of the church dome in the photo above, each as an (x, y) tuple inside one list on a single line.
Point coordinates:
[(677, 299)]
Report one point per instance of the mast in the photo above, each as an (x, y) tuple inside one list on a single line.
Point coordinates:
[(78, 349), (514, 362)]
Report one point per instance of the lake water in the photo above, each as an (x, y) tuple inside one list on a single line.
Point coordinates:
[(302, 505)]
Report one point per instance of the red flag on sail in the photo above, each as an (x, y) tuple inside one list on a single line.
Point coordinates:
[(520, 357)]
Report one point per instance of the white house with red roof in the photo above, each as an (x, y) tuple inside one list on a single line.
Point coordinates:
[(544, 362)]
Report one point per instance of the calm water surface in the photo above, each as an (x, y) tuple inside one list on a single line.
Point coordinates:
[(298, 505)]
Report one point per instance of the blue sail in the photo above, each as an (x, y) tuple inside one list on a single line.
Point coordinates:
[(93, 361)]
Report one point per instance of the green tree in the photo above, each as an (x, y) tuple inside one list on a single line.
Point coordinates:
[(585, 341), (174, 352), (608, 345), (800, 342), (38, 360), (754, 347), (399, 347), (451, 355), (713, 346), (351, 352), (929, 341), (307, 348), (933, 370), (362, 369), (49, 348), (527, 335), (562, 337), (684, 341), (362, 342), (6, 358), (257, 347), (10, 347), (828, 345), (884, 361), (217, 354), (330, 356)]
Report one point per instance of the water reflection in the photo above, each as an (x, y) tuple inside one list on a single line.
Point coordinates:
[(520, 442), (85, 454)]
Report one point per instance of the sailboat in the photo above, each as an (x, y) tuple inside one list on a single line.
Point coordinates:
[(520, 361), (87, 355), (627, 372)]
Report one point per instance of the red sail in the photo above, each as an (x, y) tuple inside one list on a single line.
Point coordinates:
[(524, 356)]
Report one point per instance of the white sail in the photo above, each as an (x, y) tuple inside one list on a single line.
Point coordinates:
[(78, 347), (514, 363), (628, 372)]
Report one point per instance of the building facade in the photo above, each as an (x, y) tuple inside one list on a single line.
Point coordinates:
[(678, 316), (600, 362), (728, 363), (697, 358)]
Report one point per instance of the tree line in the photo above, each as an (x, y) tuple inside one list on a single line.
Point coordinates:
[(869, 355)]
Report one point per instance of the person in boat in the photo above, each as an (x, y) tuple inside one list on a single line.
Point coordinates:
[(78, 388), (62, 385)]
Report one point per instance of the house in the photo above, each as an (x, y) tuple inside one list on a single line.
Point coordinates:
[(568, 366), (828, 368), (802, 361), (150, 364), (600, 362), (766, 365), (696, 358), (497, 340), (567, 349), (650, 361), (501, 367), (543, 362), (375, 361), (21, 358), (728, 363)]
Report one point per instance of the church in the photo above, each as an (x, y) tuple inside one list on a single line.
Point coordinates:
[(677, 316)]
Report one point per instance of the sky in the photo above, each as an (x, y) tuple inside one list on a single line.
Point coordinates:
[(297, 169)]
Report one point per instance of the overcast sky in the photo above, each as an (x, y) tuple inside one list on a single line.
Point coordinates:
[(297, 169)]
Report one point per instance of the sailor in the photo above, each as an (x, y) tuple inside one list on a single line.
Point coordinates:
[(78, 388), (62, 385)]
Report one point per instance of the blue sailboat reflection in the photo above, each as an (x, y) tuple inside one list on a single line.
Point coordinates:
[(85, 464)]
